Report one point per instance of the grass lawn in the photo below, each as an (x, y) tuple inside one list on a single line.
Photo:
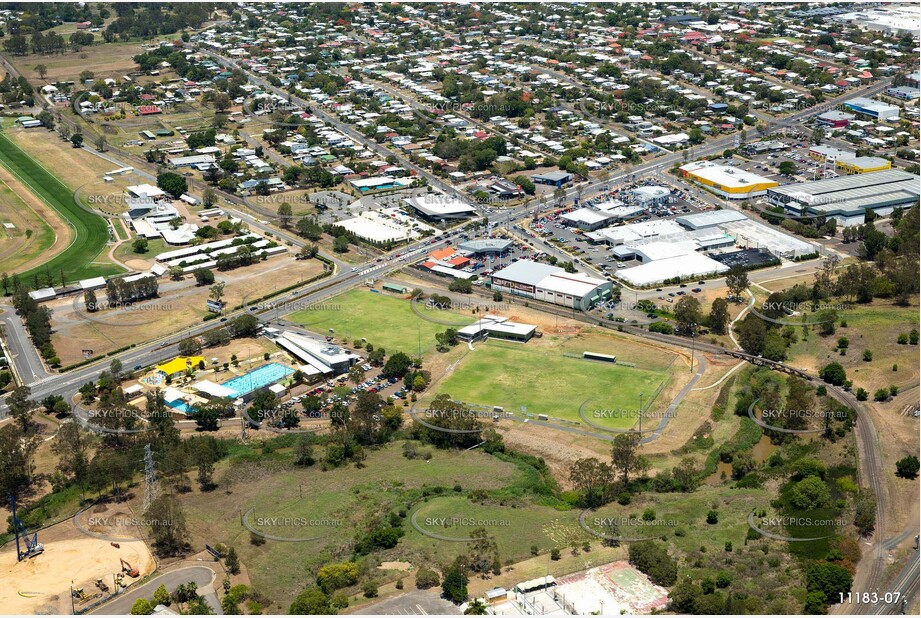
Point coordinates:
[(154, 247), (515, 528), (386, 321), (517, 376), (91, 231)]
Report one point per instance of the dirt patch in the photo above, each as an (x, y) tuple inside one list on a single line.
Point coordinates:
[(41, 585), (395, 566)]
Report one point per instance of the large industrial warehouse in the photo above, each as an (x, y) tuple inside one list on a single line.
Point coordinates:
[(846, 199), (726, 181), (551, 284)]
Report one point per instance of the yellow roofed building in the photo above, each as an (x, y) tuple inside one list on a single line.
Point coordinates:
[(179, 365)]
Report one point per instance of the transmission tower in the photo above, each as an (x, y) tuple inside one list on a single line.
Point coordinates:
[(150, 479)]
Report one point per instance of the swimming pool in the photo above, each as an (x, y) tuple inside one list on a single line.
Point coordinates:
[(180, 405), (257, 378)]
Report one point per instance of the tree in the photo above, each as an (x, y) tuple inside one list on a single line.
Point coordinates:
[(139, 245), (463, 286), (833, 373), (285, 213), (719, 316), (593, 479), (865, 513), (216, 292), (828, 579), (172, 183), (303, 451), (161, 595), (16, 452), (168, 527), (189, 347), (20, 407), (736, 281), (311, 602), (624, 455), (907, 467), (77, 140), (397, 365), (341, 244), (752, 332), (476, 608), (810, 493), (454, 586), (42, 70), (653, 560), (71, 446), (787, 168), (356, 374), (204, 276), (232, 561), (334, 576), (142, 607), (687, 314), (203, 457), (426, 578)]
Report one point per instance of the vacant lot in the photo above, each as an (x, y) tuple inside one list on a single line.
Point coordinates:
[(875, 328), (385, 320), (91, 232), (104, 60), (537, 378), (335, 505)]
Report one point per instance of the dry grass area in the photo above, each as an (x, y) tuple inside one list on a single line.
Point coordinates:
[(40, 233), (41, 585), (107, 60), (180, 305)]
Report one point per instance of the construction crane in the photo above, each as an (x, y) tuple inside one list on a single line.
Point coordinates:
[(32, 546), (127, 568)]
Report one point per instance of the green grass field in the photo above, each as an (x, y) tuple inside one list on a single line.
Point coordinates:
[(515, 528), (517, 376), (78, 261), (386, 321)]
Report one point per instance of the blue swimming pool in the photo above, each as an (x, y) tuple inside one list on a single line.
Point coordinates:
[(257, 378), (179, 405)]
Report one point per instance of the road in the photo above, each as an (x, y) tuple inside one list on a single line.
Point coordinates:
[(201, 575)]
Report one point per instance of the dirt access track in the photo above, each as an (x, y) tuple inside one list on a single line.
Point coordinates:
[(41, 585)]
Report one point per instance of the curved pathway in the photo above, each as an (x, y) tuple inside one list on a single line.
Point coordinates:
[(202, 575)]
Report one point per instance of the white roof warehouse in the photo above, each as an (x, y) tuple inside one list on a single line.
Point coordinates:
[(550, 284)]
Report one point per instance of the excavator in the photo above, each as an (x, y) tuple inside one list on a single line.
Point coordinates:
[(127, 568)]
